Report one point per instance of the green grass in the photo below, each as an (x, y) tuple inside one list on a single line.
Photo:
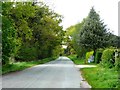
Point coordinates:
[(79, 61), (23, 65), (76, 60), (99, 77)]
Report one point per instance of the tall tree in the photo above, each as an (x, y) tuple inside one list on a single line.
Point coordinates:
[(93, 34), (8, 34), (30, 31), (73, 31)]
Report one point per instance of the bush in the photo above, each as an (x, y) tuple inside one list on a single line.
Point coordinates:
[(88, 54), (108, 58), (27, 53), (98, 56), (5, 60)]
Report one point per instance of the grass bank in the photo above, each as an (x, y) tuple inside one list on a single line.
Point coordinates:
[(76, 60), (79, 61), (99, 77), (18, 66)]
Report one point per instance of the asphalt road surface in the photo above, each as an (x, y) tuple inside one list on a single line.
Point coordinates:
[(60, 73)]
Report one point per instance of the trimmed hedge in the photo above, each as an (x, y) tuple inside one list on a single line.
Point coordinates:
[(108, 58), (98, 56)]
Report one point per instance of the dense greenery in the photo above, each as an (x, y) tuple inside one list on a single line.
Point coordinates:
[(111, 58), (72, 34), (117, 63), (91, 34), (94, 34), (30, 32), (76, 60), (99, 77), (91, 37), (79, 60), (98, 55), (88, 55), (108, 58)]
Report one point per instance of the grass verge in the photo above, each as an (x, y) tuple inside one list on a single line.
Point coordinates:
[(79, 61), (23, 65), (76, 60), (99, 77)]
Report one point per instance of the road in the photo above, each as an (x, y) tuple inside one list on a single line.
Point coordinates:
[(60, 73)]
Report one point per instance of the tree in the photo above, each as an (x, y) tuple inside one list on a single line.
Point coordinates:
[(8, 35), (30, 31), (73, 32), (93, 33), (47, 34), (114, 40)]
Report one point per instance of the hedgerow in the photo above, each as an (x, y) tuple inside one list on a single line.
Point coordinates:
[(98, 55), (108, 59)]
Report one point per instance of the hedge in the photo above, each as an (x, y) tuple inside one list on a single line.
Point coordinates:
[(98, 55), (108, 58)]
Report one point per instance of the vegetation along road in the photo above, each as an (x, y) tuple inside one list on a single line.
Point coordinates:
[(33, 34), (60, 73)]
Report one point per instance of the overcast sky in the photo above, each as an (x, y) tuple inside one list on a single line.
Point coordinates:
[(75, 10)]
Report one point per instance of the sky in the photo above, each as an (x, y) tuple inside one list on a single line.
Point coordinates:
[(74, 11)]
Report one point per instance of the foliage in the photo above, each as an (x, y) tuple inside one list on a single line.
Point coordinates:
[(98, 55), (76, 60), (27, 53), (108, 59), (114, 40), (58, 50), (88, 55), (117, 64), (8, 40), (79, 60), (117, 61), (30, 31), (93, 33), (99, 77), (73, 32), (8, 35), (47, 34)]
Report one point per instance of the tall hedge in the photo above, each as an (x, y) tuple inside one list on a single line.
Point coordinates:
[(108, 59), (98, 55)]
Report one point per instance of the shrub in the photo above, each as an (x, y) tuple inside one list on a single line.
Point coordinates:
[(5, 60), (88, 54), (27, 53), (98, 55), (108, 58)]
